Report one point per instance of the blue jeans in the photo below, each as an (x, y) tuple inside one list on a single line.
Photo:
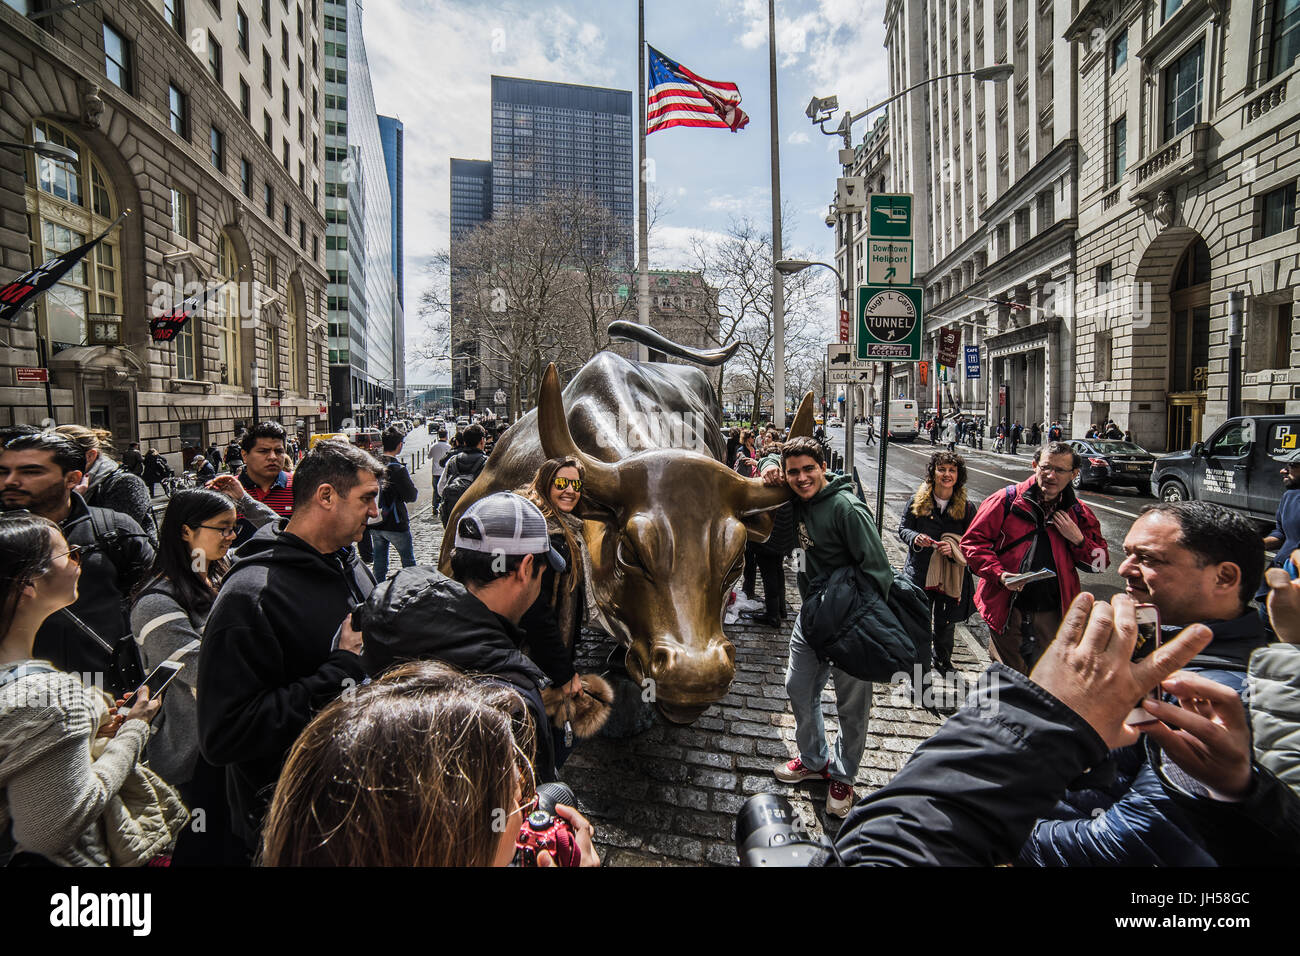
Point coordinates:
[(401, 540), (805, 677)]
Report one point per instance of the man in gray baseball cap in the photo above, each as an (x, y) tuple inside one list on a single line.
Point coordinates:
[(471, 619)]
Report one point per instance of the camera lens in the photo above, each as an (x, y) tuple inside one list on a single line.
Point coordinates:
[(767, 834), (550, 794)]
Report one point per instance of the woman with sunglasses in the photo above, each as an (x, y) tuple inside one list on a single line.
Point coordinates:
[(555, 620), (65, 754), (171, 608)]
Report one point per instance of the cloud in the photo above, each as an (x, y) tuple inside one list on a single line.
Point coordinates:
[(798, 138)]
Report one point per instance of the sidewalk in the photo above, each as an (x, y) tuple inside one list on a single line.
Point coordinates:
[(669, 796)]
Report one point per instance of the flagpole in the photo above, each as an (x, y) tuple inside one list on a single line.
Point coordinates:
[(778, 286), (643, 220)]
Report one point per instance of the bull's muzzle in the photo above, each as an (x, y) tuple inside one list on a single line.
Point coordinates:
[(685, 680)]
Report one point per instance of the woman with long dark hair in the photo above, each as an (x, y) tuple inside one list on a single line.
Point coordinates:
[(171, 608), (932, 525), (66, 753), (554, 622)]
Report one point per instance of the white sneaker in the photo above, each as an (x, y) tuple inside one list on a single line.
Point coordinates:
[(839, 799)]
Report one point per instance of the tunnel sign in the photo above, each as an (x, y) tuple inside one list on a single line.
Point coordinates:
[(889, 323)]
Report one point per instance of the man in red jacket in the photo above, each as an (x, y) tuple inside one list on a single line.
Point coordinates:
[(1037, 525)]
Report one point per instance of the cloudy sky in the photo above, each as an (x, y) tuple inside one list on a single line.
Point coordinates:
[(431, 63)]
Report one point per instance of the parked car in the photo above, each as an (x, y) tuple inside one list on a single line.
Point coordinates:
[(1237, 466), (835, 422), (1105, 462)]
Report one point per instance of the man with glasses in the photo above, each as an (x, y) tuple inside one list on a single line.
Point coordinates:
[(38, 472), (1037, 525)]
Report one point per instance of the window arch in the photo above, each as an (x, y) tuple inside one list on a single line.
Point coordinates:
[(293, 329), (69, 203), (228, 354)]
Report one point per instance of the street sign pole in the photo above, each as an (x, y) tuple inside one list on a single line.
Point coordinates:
[(49, 396), (883, 454)]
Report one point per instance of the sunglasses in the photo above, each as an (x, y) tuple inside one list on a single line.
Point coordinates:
[(562, 483)]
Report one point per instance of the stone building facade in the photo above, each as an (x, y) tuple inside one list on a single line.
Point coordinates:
[(992, 168), (1188, 172), (156, 99)]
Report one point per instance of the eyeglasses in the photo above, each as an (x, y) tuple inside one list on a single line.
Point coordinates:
[(225, 532), (73, 554), (562, 483), (1048, 469)]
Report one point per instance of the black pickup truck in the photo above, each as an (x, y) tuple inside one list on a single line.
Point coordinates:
[(1238, 466)]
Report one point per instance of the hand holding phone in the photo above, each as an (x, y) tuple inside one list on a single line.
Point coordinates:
[(155, 683), (1148, 639)]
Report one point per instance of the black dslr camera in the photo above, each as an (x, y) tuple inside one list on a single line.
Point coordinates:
[(768, 834)]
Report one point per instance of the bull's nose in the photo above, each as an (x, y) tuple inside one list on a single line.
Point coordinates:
[(709, 668)]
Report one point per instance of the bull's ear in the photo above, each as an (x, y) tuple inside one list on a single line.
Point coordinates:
[(802, 426), (758, 526)]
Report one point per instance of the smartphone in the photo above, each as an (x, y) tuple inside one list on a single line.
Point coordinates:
[(157, 682), (1148, 639)]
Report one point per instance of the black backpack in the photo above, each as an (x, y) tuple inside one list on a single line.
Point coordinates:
[(126, 668), (458, 485)]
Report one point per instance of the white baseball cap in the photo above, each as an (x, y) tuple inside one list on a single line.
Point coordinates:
[(506, 523)]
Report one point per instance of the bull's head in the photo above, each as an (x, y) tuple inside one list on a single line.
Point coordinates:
[(666, 532)]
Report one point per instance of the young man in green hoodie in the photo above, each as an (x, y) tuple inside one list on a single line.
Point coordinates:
[(834, 529)]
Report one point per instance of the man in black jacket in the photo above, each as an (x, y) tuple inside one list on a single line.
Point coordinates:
[(462, 468), (394, 526), (278, 646), (970, 794), (38, 473), (471, 620)]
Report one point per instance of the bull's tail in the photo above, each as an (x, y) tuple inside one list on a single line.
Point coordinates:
[(644, 335)]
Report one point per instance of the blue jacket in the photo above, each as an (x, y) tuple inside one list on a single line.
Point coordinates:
[(1286, 527), (1131, 820)]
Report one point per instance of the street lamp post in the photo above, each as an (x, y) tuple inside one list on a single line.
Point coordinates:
[(45, 150), (820, 111)]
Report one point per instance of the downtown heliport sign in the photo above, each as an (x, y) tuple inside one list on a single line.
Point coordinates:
[(889, 323)]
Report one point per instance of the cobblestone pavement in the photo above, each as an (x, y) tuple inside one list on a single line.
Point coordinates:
[(669, 796)]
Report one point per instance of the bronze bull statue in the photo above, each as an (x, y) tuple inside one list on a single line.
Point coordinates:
[(664, 520)]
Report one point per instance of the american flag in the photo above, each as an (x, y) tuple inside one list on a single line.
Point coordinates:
[(678, 97)]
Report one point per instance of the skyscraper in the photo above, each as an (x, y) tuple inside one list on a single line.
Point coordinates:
[(471, 205), (363, 326), (391, 135), (549, 137)]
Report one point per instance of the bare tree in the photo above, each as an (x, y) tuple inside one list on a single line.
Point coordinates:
[(740, 268), (534, 285)]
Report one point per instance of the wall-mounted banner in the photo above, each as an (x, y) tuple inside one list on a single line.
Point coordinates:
[(972, 361)]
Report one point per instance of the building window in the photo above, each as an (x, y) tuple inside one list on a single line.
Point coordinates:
[(217, 149), (284, 44), (266, 70), (214, 57), (284, 154), (302, 175), (315, 248), (245, 100), (1119, 51), (117, 58), (300, 28), (1022, 226), (1118, 149), (1171, 7), (266, 128), (268, 194), (336, 242), (178, 112), (174, 14), (302, 128), (288, 220), (1183, 92), (61, 217), (266, 14), (293, 328), (182, 214), (302, 235), (1286, 36), (284, 99), (1282, 335), (1046, 210), (1278, 211), (246, 177), (302, 77), (227, 313), (241, 29), (315, 57)]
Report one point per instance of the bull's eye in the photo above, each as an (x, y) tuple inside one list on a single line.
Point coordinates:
[(628, 558)]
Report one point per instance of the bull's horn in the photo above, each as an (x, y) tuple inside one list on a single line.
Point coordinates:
[(802, 426), (599, 477), (760, 497)]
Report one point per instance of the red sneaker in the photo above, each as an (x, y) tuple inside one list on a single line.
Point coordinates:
[(839, 798), (794, 771)]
